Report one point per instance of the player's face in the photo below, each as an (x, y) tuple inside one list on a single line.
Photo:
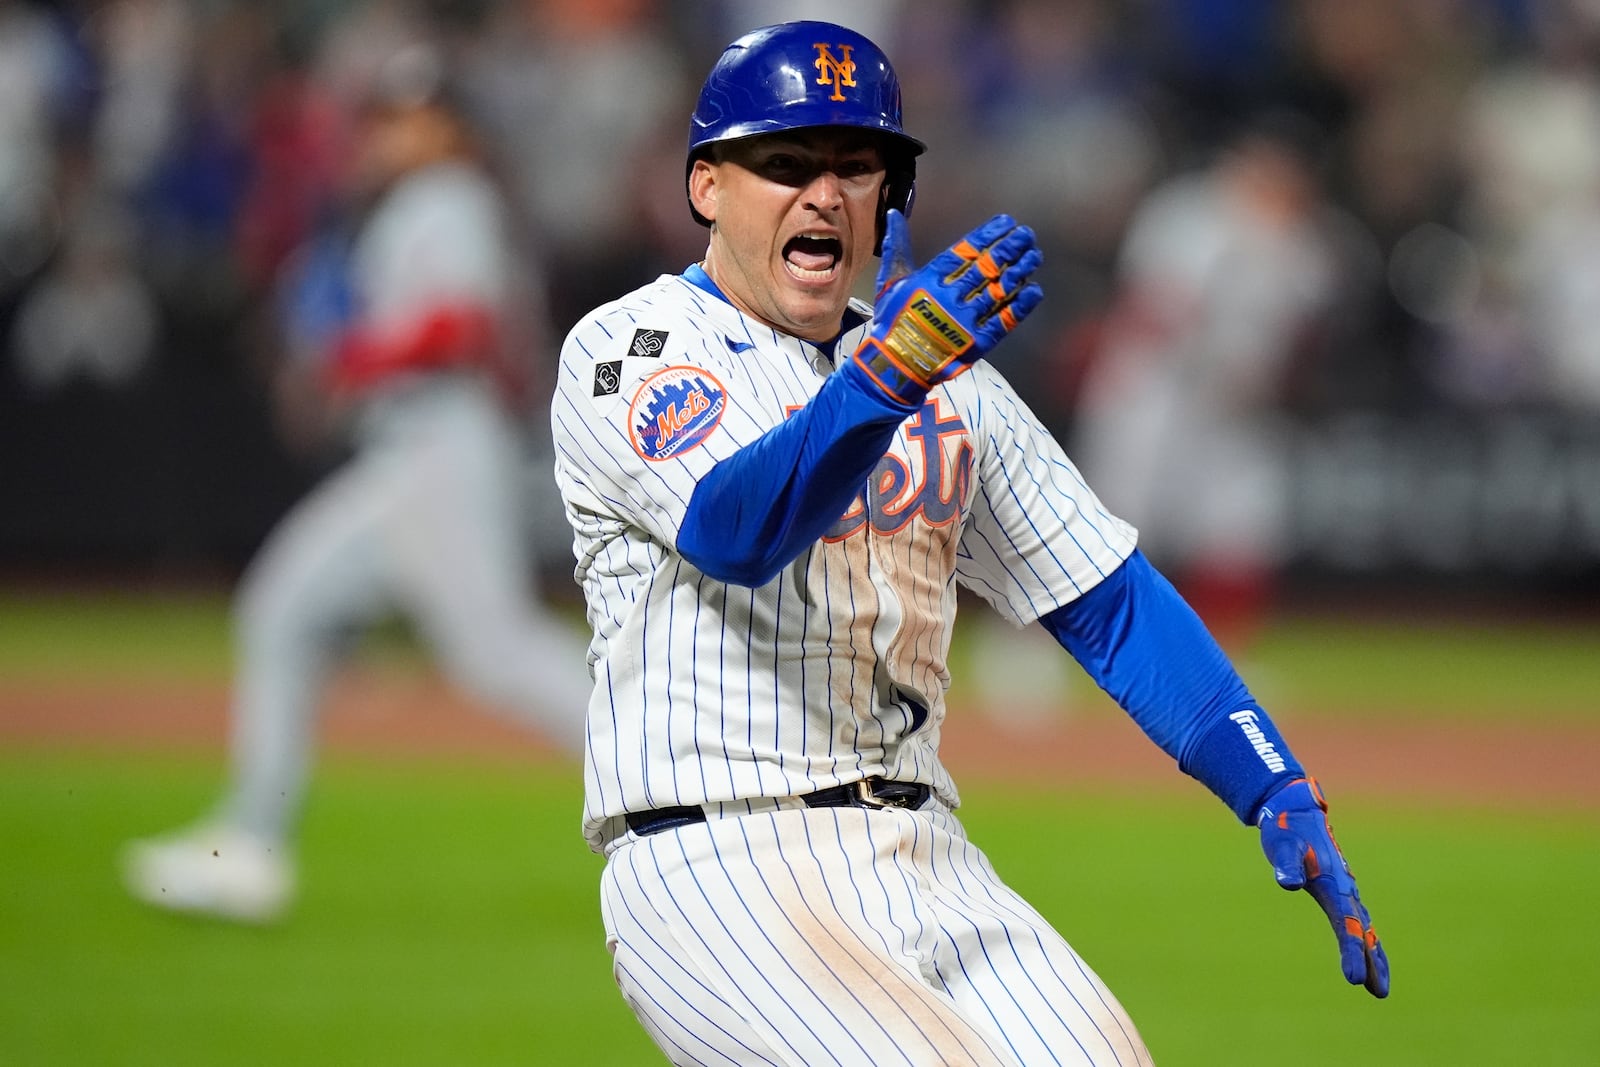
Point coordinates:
[(794, 219)]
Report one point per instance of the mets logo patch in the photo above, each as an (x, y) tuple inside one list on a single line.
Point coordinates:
[(675, 410), (647, 342)]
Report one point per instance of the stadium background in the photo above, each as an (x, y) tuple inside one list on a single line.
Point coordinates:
[(1435, 645)]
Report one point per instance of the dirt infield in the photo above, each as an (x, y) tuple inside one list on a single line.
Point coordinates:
[(1485, 764)]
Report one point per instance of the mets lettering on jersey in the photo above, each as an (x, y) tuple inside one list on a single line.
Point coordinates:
[(674, 410), (932, 486)]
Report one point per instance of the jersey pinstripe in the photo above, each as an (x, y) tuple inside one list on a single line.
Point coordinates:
[(836, 669), (841, 936)]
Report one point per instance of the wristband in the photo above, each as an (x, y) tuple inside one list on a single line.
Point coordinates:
[(1243, 759)]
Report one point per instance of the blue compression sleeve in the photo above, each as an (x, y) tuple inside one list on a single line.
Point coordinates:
[(758, 509), (1144, 645)]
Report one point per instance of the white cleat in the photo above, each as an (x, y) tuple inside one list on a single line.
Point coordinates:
[(211, 870)]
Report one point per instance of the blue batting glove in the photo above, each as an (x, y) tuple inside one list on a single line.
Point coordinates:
[(931, 324), (1299, 844)]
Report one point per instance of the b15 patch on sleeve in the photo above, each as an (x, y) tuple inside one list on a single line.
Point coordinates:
[(647, 342), (674, 410)]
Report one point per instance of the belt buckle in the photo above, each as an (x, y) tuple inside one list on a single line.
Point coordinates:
[(869, 799)]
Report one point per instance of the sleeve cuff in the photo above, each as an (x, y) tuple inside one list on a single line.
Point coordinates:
[(1242, 759)]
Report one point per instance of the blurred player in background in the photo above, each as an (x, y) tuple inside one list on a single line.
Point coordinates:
[(776, 491), (1226, 277), (416, 324)]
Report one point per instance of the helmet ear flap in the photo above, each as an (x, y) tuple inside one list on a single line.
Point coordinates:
[(899, 192)]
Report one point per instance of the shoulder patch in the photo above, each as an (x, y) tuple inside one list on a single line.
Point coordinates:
[(674, 410), (607, 377), (647, 342)]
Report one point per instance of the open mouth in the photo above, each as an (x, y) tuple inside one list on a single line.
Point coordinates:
[(809, 256)]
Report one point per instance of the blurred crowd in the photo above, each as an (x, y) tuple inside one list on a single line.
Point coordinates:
[(1387, 204)]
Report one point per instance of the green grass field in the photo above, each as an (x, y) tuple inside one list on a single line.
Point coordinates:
[(449, 915)]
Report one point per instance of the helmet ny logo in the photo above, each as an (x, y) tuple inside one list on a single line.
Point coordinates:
[(833, 71)]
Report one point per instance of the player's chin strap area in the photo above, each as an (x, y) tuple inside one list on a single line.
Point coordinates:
[(871, 792)]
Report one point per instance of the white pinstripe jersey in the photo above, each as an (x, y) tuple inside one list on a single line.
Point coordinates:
[(836, 669)]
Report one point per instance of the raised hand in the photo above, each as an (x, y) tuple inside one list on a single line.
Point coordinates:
[(931, 324)]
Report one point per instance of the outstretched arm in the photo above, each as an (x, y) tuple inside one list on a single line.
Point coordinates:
[(1144, 645)]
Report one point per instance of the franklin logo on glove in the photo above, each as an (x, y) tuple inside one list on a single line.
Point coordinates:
[(932, 324)]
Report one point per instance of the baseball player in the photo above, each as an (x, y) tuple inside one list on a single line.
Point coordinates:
[(411, 322), (775, 492)]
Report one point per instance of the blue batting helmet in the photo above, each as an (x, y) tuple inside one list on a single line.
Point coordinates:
[(801, 75)]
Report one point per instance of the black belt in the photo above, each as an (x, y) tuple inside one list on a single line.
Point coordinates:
[(865, 793)]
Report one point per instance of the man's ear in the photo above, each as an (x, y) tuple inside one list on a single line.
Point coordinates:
[(703, 189)]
